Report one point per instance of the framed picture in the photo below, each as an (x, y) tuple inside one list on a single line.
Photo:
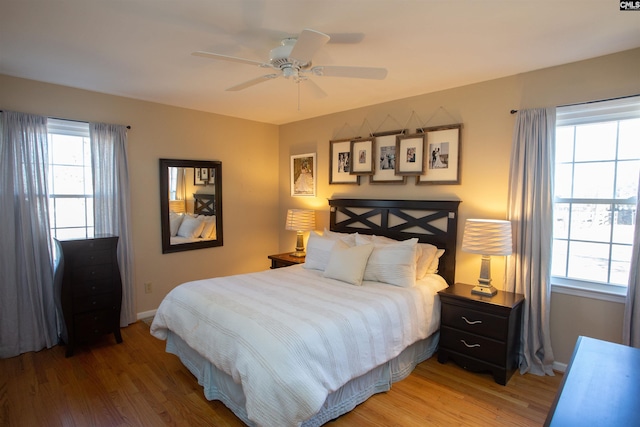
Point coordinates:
[(410, 150), (362, 162), (385, 157), (212, 177), (340, 163), (303, 175), (442, 155), (197, 176)]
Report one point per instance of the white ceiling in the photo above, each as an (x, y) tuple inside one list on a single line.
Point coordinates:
[(142, 48)]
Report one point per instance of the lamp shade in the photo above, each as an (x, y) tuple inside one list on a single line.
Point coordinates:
[(487, 237), (300, 219)]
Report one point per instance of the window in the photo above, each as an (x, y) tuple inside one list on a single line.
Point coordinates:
[(70, 179), (596, 184)]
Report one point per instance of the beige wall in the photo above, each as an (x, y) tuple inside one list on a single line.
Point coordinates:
[(483, 109), (249, 155)]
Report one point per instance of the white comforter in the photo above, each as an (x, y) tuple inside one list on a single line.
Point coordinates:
[(290, 336)]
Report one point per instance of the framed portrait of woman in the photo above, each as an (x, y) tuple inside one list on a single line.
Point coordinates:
[(303, 175)]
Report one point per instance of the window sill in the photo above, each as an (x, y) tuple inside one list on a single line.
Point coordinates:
[(591, 290)]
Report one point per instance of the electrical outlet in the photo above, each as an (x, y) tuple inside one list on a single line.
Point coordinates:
[(147, 288)]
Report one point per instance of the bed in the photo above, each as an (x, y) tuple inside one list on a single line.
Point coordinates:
[(305, 344)]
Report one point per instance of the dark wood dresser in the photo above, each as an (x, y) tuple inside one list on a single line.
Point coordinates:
[(481, 333), (88, 289)]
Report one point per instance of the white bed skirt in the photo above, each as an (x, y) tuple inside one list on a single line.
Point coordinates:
[(220, 386)]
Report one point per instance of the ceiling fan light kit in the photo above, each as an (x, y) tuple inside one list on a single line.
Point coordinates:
[(293, 58)]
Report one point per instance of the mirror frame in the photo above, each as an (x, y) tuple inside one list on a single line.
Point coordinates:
[(165, 164)]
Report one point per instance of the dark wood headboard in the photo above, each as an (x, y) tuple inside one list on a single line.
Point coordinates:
[(431, 221), (204, 204)]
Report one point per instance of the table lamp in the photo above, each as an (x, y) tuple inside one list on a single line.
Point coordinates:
[(487, 237), (300, 220)]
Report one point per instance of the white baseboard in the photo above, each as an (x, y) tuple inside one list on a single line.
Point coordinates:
[(560, 367), (146, 314)]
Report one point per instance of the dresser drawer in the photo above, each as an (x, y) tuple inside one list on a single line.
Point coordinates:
[(93, 287), (93, 324), (93, 302), (472, 345), (474, 321), (92, 272), (94, 257)]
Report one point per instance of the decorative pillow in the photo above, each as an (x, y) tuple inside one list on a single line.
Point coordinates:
[(426, 255), (433, 268), (347, 263), (319, 249), (190, 227), (393, 263), (209, 229), (174, 223)]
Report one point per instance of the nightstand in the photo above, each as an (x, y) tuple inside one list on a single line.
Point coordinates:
[(285, 260), (481, 333)]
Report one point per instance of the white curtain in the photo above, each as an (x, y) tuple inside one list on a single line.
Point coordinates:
[(631, 326), (27, 307), (112, 208), (531, 213)]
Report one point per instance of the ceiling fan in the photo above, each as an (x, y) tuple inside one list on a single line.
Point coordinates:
[(292, 60)]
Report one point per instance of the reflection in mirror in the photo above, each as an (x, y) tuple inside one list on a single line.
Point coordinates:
[(191, 204)]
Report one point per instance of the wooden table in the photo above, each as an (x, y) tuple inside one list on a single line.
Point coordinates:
[(600, 388)]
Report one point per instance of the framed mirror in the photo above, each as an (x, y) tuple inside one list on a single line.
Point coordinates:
[(190, 204)]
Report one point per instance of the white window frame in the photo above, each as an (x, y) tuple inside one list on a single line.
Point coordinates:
[(605, 111), (76, 129)]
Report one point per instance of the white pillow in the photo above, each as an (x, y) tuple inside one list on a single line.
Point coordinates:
[(347, 263), (191, 227), (363, 239), (349, 238), (209, 229), (174, 223), (426, 255), (393, 263), (433, 268), (319, 249)]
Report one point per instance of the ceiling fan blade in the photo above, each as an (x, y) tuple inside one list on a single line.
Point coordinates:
[(353, 72), (252, 82), (308, 43), (346, 38), (229, 58), (312, 88)]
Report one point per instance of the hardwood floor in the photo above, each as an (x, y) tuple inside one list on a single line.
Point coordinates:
[(137, 384)]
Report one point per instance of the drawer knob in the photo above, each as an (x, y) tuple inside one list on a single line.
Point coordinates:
[(469, 345), (471, 322)]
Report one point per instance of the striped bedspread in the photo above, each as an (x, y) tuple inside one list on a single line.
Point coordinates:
[(290, 336)]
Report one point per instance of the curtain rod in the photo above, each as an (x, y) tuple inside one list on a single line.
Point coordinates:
[(589, 102), (68, 120)]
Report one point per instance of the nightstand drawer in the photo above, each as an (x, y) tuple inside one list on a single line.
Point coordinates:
[(472, 345), (474, 321)]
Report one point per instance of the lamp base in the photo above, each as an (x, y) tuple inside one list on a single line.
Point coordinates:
[(298, 254), (485, 290)]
